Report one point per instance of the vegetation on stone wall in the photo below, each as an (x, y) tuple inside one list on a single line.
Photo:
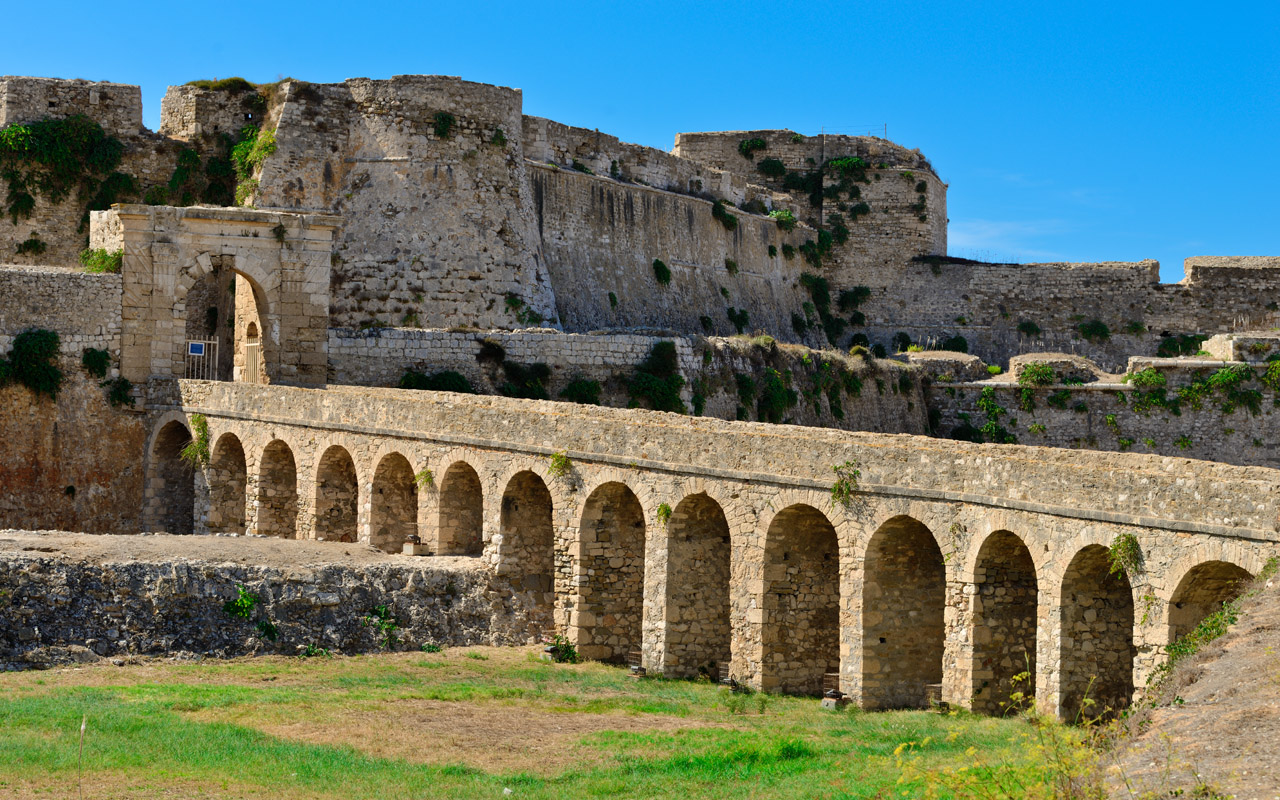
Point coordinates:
[(96, 362), (739, 317), (786, 221), (444, 381), (247, 155), (527, 381), (582, 390), (657, 381), (661, 272), (196, 451), (748, 147), (58, 158), (443, 124), (1095, 331), (33, 245), (846, 484), (723, 216), (100, 260), (32, 362), (1187, 344)]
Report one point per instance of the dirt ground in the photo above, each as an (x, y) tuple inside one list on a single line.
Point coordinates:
[(267, 551), (1227, 727)]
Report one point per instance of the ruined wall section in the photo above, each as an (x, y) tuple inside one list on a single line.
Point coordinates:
[(438, 228), (906, 198), (547, 141), (115, 106), (986, 303), (62, 227), (190, 113), (84, 310), (886, 396), (601, 237)]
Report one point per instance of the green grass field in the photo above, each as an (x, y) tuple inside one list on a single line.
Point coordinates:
[(464, 723)]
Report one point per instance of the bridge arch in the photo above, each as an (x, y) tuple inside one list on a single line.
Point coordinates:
[(1004, 617), (228, 485), (1097, 651), (277, 491), (903, 614), (800, 634), (697, 628), (337, 496), (610, 572), (528, 545), (393, 503), (170, 487), (1201, 591), (460, 529)]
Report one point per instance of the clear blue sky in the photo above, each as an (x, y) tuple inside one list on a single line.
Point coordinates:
[(1068, 131)]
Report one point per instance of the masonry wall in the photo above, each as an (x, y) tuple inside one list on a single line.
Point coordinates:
[(115, 106), (437, 226), (1110, 416), (60, 608), (601, 237), (547, 141), (888, 397), (83, 309)]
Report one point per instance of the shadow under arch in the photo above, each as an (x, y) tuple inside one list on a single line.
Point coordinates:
[(277, 494), (461, 522), (611, 568), (337, 497), (171, 483), (393, 504), (1097, 652), (903, 613), (228, 475), (800, 634), (1202, 591), (697, 629), (528, 557), (1003, 619)]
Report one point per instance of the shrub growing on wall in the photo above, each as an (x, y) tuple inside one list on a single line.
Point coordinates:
[(446, 381), (661, 272), (33, 362), (657, 380)]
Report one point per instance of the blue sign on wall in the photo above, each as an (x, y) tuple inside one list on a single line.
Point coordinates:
[(195, 348)]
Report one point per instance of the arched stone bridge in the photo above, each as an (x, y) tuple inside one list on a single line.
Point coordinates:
[(698, 541)]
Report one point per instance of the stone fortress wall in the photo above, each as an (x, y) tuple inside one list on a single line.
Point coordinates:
[(831, 391)]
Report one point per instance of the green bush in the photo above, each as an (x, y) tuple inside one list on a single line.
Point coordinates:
[(581, 390), (657, 380), (232, 85), (99, 261), (196, 451), (661, 272), (739, 317), (776, 396), (32, 362), (96, 362), (748, 147), (722, 215), (1036, 373), (850, 299), (1149, 378), (1180, 345), (32, 246), (1094, 331), (785, 220), (771, 168), (1028, 328), (446, 381), (956, 344), (525, 381), (444, 122), (119, 392), (580, 167), (731, 266)]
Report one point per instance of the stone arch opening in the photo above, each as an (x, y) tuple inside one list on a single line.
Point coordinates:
[(528, 539), (228, 474), (697, 604), (903, 610), (209, 308), (611, 538), (250, 364), (801, 625), (1004, 622), (1201, 592), (337, 497), (278, 492), (393, 515), (1097, 637), (171, 489), (461, 528)]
